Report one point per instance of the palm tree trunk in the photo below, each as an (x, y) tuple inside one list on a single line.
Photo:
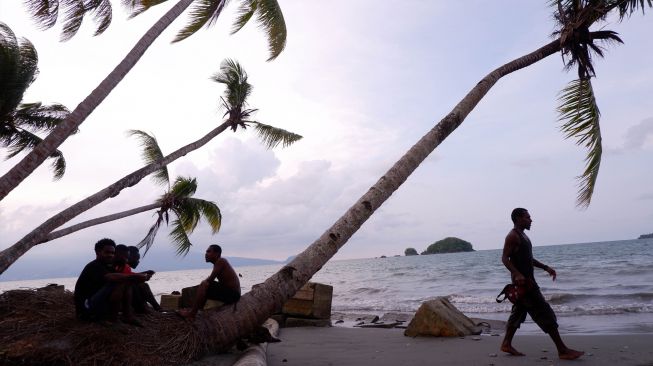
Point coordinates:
[(268, 298), (97, 221), (35, 158), (11, 254)]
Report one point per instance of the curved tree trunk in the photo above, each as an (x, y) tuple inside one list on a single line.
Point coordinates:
[(224, 327), (35, 158), (97, 221), (11, 254)]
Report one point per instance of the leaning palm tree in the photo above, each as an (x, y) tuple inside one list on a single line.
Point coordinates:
[(204, 14), (177, 199), (21, 122), (268, 297), (238, 114)]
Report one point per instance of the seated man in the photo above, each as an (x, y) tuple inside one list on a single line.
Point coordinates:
[(226, 289), (127, 259), (100, 292)]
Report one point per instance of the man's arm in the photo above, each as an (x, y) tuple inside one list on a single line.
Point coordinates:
[(509, 247), (217, 268), (122, 277), (549, 270)]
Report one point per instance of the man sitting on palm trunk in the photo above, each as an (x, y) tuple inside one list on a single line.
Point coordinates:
[(226, 289)]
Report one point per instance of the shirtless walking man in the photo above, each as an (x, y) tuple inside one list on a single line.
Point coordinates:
[(518, 258), (226, 289)]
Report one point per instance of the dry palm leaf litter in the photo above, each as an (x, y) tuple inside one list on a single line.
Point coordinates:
[(38, 327)]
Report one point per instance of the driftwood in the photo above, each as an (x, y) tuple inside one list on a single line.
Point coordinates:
[(256, 355), (38, 327)]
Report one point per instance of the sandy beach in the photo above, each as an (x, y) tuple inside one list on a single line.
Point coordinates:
[(347, 346)]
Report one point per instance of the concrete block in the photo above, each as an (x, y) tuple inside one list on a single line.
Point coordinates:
[(170, 302), (313, 300)]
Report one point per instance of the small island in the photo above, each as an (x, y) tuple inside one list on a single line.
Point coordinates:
[(449, 245), (410, 251), (646, 236)]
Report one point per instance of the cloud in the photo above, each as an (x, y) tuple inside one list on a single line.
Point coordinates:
[(638, 135), (645, 197)]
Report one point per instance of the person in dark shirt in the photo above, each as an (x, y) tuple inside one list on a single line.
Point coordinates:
[(518, 258), (226, 289), (100, 292)]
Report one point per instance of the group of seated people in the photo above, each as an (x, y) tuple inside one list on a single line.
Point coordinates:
[(108, 286)]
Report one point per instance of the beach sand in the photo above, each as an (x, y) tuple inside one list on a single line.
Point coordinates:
[(347, 346)]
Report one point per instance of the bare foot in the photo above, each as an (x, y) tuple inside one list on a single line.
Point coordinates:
[(186, 314), (570, 354), (511, 350)]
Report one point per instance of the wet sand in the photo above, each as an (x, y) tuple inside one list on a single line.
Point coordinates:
[(346, 346)]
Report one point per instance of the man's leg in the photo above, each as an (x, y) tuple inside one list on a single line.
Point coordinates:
[(200, 301), (545, 318), (564, 352), (121, 299), (506, 345), (147, 294), (517, 316), (115, 301)]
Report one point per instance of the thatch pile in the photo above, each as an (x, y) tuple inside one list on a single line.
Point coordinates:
[(38, 327)]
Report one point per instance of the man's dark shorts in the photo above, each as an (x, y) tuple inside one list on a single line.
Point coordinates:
[(539, 310), (220, 292)]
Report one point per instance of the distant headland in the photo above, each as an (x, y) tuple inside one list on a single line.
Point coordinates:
[(646, 236), (446, 245)]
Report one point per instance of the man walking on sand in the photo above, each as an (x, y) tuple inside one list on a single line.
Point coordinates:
[(518, 258), (225, 289)]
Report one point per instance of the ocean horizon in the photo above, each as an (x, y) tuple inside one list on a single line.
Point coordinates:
[(599, 289)]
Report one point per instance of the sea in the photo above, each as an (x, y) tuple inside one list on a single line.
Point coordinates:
[(601, 288)]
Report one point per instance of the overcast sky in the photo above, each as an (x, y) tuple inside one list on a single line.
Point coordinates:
[(362, 81)]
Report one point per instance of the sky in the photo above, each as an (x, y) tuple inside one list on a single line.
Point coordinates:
[(361, 81)]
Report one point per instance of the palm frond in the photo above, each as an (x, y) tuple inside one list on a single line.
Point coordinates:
[(234, 78), (151, 153), (44, 12), (209, 210), (187, 214), (58, 165), (273, 136), (22, 140), (184, 187), (102, 14), (270, 19), (37, 117), (244, 14), (628, 7), (137, 7), (148, 240), (74, 11), (580, 116), (179, 238), (12, 90), (203, 13)]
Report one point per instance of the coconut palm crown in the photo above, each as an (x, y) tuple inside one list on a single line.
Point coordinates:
[(20, 122), (267, 13), (205, 13), (578, 109), (177, 200), (237, 89)]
